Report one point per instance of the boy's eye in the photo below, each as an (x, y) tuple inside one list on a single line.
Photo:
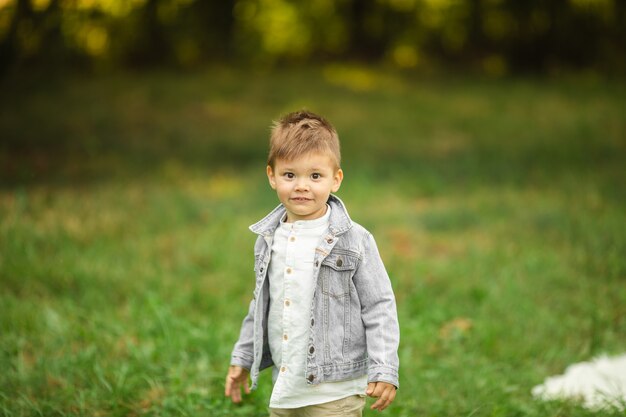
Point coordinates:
[(289, 175), (316, 176)]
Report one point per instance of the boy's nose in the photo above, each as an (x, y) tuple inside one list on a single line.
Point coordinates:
[(302, 185)]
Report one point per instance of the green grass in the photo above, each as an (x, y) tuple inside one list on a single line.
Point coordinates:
[(125, 261)]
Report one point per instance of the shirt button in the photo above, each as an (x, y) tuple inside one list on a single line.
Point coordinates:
[(283, 369), (292, 238), (287, 303), (289, 270), (329, 240), (285, 337)]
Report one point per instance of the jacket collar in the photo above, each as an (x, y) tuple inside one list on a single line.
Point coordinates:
[(339, 219)]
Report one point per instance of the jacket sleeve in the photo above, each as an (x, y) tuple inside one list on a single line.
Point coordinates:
[(243, 352), (379, 315)]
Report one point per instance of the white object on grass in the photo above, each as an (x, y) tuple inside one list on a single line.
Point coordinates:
[(597, 384)]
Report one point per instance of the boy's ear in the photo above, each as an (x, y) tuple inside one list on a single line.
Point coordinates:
[(337, 180), (270, 177)]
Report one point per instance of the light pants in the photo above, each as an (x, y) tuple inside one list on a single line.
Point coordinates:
[(349, 407)]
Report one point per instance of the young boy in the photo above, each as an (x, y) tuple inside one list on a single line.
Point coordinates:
[(323, 312)]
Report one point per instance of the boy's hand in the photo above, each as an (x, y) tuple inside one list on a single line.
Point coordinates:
[(237, 376), (384, 392)]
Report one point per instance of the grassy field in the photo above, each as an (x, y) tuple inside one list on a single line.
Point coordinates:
[(499, 207)]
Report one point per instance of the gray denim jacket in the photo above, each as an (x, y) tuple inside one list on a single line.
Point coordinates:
[(354, 325)]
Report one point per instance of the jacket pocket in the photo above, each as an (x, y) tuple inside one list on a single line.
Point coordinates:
[(336, 272)]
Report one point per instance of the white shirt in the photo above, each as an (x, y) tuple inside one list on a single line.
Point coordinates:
[(292, 285)]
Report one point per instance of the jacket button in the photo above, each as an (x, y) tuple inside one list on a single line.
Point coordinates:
[(317, 263), (312, 322), (311, 378), (311, 350), (339, 262)]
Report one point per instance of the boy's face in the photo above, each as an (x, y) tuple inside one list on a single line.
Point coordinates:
[(304, 184)]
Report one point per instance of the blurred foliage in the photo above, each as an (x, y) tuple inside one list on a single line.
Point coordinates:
[(492, 36)]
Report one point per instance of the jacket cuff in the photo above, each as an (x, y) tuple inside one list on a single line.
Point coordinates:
[(241, 359), (383, 373)]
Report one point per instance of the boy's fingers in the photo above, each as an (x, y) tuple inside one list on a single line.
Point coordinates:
[(378, 405), (231, 389), (234, 372), (236, 379), (386, 397), (382, 403), (235, 392), (392, 396), (236, 395), (373, 389), (378, 390)]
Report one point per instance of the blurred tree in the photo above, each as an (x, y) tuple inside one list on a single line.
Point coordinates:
[(492, 35), (218, 19), (10, 50), (375, 27), (182, 32), (475, 35), (366, 23), (151, 46), (33, 36)]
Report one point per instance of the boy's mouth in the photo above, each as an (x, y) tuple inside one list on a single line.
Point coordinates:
[(300, 199)]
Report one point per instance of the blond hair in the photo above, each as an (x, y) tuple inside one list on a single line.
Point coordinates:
[(301, 132)]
